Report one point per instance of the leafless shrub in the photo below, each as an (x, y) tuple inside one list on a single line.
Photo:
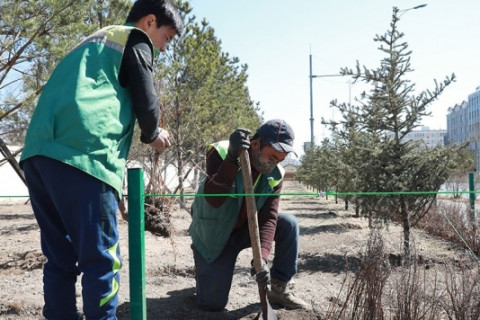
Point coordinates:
[(380, 290), (414, 293), (462, 299), (364, 292), (450, 221)]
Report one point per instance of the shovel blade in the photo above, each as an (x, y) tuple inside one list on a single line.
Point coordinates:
[(268, 315), (267, 312)]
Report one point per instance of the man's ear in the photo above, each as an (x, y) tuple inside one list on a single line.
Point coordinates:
[(254, 143)]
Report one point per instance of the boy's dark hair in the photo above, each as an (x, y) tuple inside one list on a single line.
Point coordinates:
[(165, 12)]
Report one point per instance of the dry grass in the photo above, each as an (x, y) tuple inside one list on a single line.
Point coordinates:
[(380, 290)]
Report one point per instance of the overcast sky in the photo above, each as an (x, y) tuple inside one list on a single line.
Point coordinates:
[(275, 39)]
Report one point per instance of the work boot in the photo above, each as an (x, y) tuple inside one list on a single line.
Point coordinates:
[(279, 294)]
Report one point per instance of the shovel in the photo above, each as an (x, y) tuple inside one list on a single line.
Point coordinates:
[(267, 311)]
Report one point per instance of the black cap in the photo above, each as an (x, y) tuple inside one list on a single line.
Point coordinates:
[(278, 134)]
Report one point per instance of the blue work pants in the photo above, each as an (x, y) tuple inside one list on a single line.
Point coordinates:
[(214, 280), (76, 214)]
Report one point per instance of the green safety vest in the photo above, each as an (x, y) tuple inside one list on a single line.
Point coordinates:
[(84, 117), (211, 227)]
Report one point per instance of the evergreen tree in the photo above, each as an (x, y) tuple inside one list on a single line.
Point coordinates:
[(376, 131), (319, 167)]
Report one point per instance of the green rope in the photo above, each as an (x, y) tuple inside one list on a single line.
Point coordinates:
[(294, 194), (397, 193), (285, 194)]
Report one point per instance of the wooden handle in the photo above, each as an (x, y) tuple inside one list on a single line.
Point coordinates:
[(267, 311), (251, 210)]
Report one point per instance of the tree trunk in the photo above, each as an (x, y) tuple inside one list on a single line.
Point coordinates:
[(11, 159), (195, 179), (180, 175), (357, 208), (406, 230)]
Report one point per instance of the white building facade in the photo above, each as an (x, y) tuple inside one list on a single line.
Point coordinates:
[(429, 138), (463, 124)]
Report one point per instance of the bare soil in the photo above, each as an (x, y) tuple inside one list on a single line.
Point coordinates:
[(332, 240)]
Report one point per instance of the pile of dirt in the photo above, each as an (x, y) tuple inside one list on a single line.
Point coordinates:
[(24, 261)]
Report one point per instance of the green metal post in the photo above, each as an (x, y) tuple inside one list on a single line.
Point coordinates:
[(136, 244), (471, 184)]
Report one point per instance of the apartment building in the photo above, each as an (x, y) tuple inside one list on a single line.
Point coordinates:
[(429, 138), (463, 124)]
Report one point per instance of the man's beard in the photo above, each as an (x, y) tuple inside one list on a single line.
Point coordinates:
[(263, 166)]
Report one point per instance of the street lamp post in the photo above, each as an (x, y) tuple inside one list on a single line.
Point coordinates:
[(412, 8), (312, 136)]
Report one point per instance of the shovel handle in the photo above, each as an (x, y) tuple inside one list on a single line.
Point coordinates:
[(251, 210), (267, 311)]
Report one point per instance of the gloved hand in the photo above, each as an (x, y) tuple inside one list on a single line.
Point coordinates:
[(238, 140), (263, 276)]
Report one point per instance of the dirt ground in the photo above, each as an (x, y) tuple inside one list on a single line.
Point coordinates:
[(330, 236)]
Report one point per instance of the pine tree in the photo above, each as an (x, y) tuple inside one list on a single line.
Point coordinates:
[(377, 128)]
